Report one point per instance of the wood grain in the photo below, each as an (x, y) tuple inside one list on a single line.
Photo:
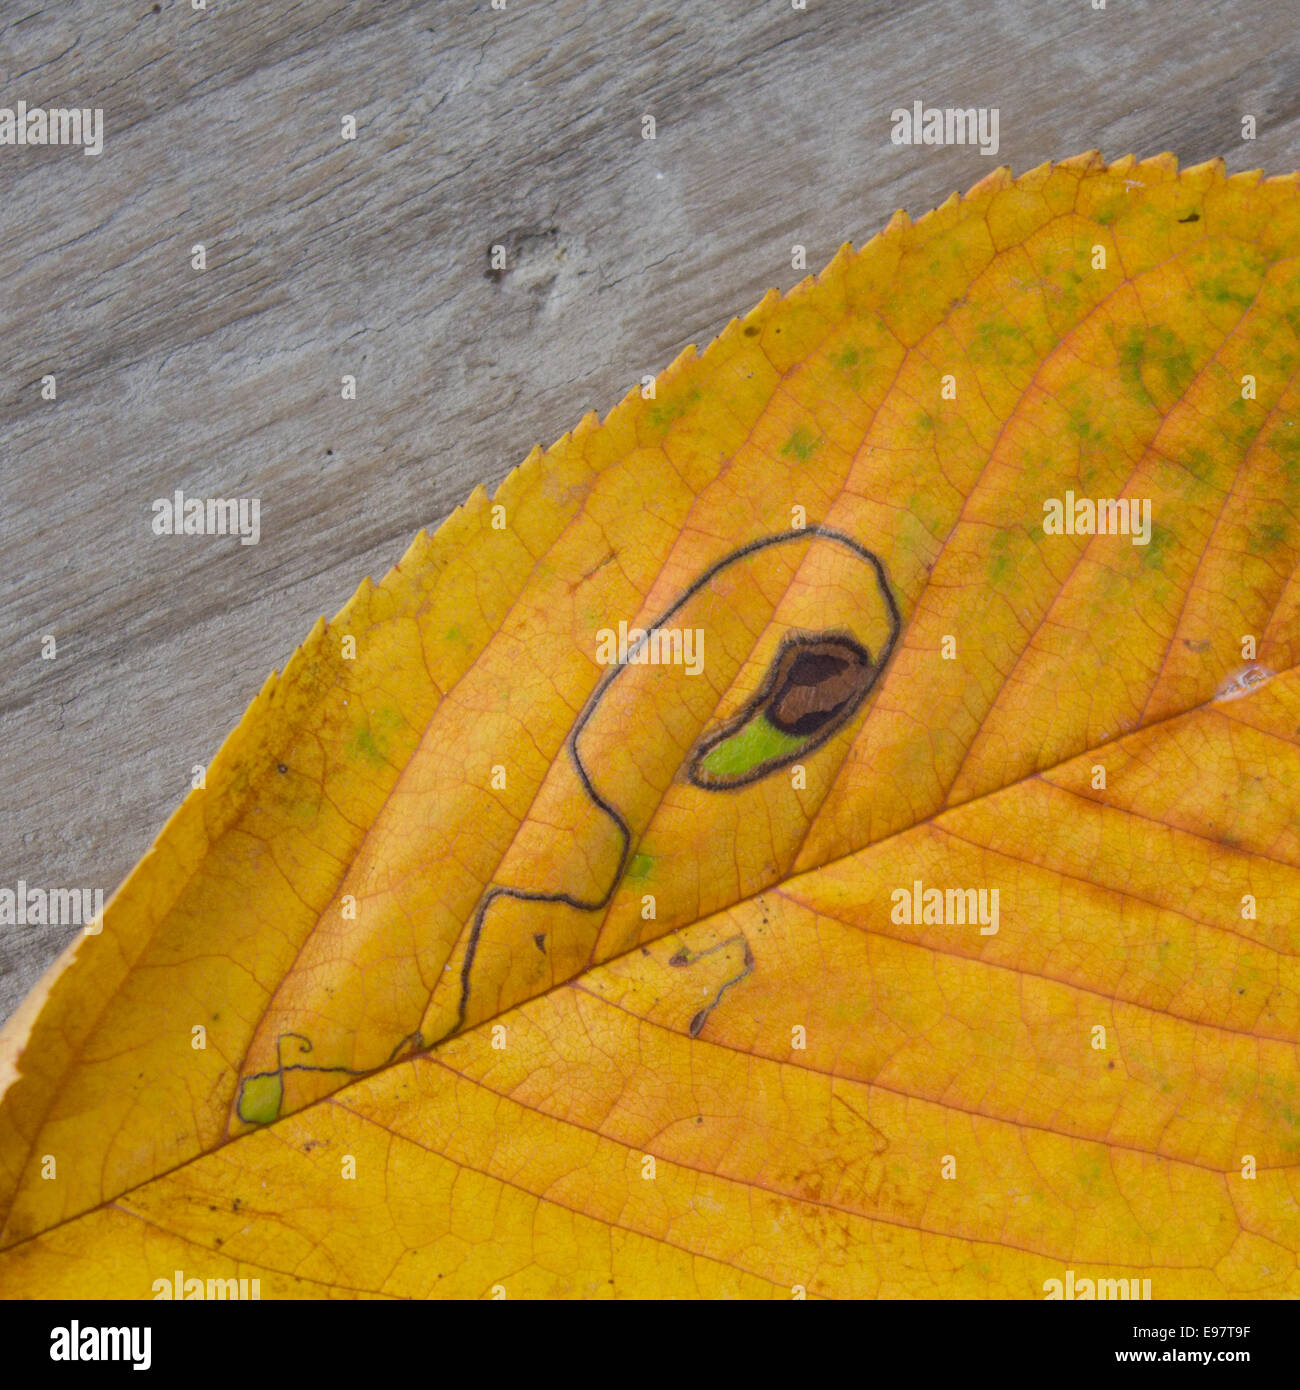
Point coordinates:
[(370, 257)]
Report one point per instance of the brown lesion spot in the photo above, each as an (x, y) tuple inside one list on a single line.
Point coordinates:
[(815, 681)]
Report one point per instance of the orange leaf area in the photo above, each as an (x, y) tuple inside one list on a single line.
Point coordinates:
[(830, 827)]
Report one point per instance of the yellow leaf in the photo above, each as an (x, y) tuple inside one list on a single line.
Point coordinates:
[(830, 826)]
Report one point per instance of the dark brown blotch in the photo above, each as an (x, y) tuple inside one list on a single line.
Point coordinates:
[(815, 681)]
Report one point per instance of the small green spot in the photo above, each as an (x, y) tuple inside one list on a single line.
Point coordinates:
[(1155, 551), (760, 741), (998, 342), (1083, 427), (1221, 292), (363, 745), (663, 413), (372, 741), (640, 866), (260, 1098), (1199, 464), (1132, 353), (1179, 370), (454, 634), (801, 445), (1271, 534), (1001, 559)]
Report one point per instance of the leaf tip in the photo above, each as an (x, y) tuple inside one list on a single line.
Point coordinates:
[(1246, 178), (995, 181), (900, 222), (1209, 169), (590, 421), (1165, 163)]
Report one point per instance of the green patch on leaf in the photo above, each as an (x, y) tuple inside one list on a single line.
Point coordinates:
[(372, 741), (663, 413), (260, 1098), (1268, 537), (1156, 550), (760, 741), (640, 866), (802, 444)]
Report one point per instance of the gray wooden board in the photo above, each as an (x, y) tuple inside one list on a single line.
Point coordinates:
[(369, 257)]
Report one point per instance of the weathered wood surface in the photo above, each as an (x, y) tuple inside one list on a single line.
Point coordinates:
[(369, 257)]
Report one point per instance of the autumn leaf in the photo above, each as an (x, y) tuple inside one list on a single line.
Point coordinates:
[(830, 827)]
